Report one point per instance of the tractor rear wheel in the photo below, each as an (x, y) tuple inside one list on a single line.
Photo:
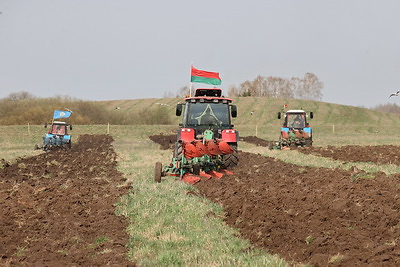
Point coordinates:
[(230, 160), (158, 172), (196, 169), (308, 142), (178, 151)]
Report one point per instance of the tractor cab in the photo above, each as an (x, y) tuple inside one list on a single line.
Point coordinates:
[(59, 128), (207, 110), (295, 119)]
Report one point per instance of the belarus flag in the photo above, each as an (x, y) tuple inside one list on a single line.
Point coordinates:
[(201, 76)]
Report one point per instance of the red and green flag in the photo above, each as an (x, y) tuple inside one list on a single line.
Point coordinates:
[(201, 76)]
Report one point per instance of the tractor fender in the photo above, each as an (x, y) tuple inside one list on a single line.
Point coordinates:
[(186, 134), (230, 135)]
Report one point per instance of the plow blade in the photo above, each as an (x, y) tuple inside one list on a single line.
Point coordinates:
[(193, 179), (215, 174), (205, 175), (225, 171)]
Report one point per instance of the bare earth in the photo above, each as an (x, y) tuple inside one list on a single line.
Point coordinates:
[(312, 215), (57, 208), (387, 154)]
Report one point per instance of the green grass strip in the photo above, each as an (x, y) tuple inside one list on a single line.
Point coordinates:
[(169, 224)]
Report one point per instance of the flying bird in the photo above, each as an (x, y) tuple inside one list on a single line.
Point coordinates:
[(395, 94)]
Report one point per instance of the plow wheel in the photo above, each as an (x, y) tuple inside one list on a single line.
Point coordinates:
[(157, 172)]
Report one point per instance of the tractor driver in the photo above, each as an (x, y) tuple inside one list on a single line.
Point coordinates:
[(60, 130), (208, 118), (298, 122)]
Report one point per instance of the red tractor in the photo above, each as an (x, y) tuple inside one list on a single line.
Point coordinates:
[(206, 141)]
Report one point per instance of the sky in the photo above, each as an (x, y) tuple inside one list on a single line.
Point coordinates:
[(129, 49)]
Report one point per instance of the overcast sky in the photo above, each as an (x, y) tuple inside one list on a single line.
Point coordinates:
[(127, 49)]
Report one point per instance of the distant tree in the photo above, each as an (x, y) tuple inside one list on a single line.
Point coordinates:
[(279, 87), (246, 89), (168, 95), (307, 88), (183, 91), (390, 108), (311, 88), (233, 91), (19, 96)]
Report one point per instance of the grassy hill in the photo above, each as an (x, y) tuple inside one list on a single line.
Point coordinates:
[(265, 110), (328, 117)]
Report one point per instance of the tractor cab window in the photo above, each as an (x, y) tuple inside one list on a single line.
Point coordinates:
[(58, 129), (295, 120), (207, 114)]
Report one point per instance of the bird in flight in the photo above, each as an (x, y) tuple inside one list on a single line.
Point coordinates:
[(395, 94)]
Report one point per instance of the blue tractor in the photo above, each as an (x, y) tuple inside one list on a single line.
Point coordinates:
[(295, 131), (57, 136)]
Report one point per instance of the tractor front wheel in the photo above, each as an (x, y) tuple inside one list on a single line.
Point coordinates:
[(158, 172)]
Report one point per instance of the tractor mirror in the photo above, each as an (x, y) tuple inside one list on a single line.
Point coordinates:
[(234, 111), (178, 109), (279, 115), (311, 115)]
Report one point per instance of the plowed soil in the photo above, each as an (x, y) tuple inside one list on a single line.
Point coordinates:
[(255, 140), (57, 208), (165, 141), (312, 215), (387, 154)]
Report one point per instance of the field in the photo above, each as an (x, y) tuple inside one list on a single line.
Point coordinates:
[(98, 204)]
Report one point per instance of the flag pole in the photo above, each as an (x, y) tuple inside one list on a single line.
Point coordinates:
[(191, 84)]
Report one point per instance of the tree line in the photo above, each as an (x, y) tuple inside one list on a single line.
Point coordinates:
[(390, 108), (309, 88), (23, 107)]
